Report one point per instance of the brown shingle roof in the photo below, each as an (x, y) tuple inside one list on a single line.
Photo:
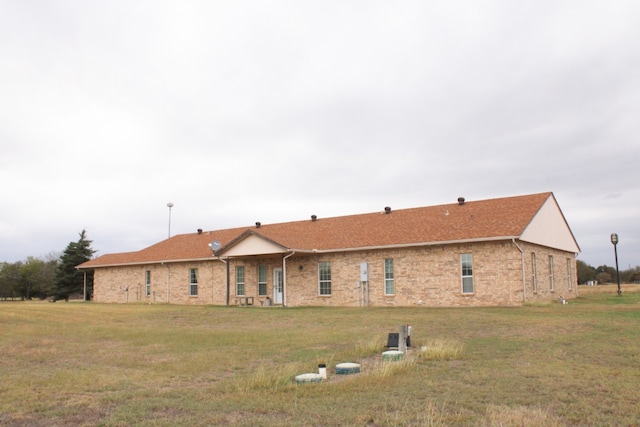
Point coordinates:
[(476, 220)]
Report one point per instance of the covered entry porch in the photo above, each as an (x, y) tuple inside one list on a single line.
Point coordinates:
[(257, 270)]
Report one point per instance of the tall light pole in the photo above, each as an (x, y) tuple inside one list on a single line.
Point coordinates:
[(169, 205), (614, 240)]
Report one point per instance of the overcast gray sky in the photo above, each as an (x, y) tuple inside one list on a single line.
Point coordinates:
[(245, 111)]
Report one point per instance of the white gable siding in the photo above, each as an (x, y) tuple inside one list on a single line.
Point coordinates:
[(549, 228), (253, 245)]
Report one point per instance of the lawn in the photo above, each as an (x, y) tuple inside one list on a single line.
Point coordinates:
[(88, 364)]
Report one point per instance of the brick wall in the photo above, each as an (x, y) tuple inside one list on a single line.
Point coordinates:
[(110, 283), (431, 276), (564, 274), (427, 276)]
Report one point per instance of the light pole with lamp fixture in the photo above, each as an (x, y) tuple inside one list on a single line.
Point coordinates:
[(615, 240), (169, 205)]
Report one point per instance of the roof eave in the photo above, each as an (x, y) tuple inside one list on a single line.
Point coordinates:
[(164, 261)]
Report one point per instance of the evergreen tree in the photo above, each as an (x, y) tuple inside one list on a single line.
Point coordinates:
[(586, 273), (68, 280)]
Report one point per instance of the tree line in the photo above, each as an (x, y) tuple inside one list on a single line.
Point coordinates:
[(604, 274), (53, 276)]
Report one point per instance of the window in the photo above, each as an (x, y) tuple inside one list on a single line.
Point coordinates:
[(147, 282), (534, 272), (551, 284), (240, 280), (324, 278), (389, 285), (262, 280), (467, 273), (569, 279), (193, 282)]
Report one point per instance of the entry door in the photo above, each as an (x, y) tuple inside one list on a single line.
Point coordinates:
[(277, 286)]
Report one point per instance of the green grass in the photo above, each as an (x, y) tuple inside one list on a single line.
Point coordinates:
[(87, 364)]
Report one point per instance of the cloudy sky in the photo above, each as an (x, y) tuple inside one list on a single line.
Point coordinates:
[(271, 111)]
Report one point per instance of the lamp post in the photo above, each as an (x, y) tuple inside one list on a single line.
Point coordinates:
[(169, 205), (614, 240)]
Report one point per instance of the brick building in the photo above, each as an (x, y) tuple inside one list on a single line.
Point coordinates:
[(498, 252)]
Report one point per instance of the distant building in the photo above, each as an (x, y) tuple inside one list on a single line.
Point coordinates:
[(498, 252)]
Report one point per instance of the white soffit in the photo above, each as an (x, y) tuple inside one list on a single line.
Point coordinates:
[(253, 245), (549, 228)]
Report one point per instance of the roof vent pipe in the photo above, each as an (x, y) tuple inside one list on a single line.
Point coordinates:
[(199, 230), (461, 201), (313, 217), (258, 224), (387, 210)]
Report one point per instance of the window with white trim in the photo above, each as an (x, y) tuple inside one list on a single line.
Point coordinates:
[(389, 279), (193, 282), (240, 280), (552, 286), (262, 280), (147, 283), (324, 278), (466, 266), (569, 278), (534, 272)]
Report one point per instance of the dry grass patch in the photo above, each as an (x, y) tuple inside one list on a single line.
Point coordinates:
[(441, 349), (609, 289), (395, 367), (368, 347), (422, 415), (519, 416), (265, 378)]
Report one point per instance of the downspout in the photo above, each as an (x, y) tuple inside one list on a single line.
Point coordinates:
[(284, 278), (213, 284), (576, 270), (524, 286), (84, 272), (228, 280)]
